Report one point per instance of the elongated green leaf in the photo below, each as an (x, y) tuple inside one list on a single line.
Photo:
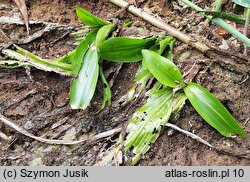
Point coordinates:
[(34, 58), (244, 3), (147, 122), (83, 87), (123, 49), (37, 62), (212, 111), (227, 16), (89, 19), (106, 90), (81, 51), (162, 68), (104, 32)]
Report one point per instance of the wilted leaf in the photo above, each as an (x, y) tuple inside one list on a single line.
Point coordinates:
[(222, 32), (45, 65), (13, 64), (88, 19), (162, 68), (106, 90), (123, 49), (81, 51), (212, 111), (147, 122), (141, 78), (34, 58), (83, 87)]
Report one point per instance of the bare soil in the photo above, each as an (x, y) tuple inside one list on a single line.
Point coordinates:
[(40, 102)]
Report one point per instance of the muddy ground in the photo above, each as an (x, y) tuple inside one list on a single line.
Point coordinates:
[(41, 102)]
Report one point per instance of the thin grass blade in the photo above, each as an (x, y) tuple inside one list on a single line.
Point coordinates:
[(106, 90), (226, 16)]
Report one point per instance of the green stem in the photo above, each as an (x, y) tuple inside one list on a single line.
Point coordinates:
[(217, 5), (221, 23), (247, 21), (246, 28)]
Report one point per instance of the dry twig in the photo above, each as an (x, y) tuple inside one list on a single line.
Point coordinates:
[(199, 139), (58, 142), (23, 9)]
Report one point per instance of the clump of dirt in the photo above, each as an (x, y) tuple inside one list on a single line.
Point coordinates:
[(39, 102)]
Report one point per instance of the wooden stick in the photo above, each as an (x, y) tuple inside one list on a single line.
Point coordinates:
[(173, 31), (59, 142)]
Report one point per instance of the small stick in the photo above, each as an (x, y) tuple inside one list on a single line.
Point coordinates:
[(203, 48), (199, 139), (59, 142), (173, 31)]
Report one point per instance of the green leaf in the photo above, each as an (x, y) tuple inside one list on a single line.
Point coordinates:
[(34, 58), (26, 57), (143, 75), (123, 49), (68, 58), (162, 69), (104, 32), (89, 19), (244, 3), (106, 90), (81, 51), (83, 87), (147, 122), (212, 111), (227, 16)]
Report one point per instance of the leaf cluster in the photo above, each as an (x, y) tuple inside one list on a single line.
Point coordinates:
[(166, 98)]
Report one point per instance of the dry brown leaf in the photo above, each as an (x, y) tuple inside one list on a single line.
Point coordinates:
[(23, 9), (222, 32)]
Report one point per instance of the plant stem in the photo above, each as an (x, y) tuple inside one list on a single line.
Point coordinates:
[(217, 5), (246, 29), (221, 23), (173, 31)]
